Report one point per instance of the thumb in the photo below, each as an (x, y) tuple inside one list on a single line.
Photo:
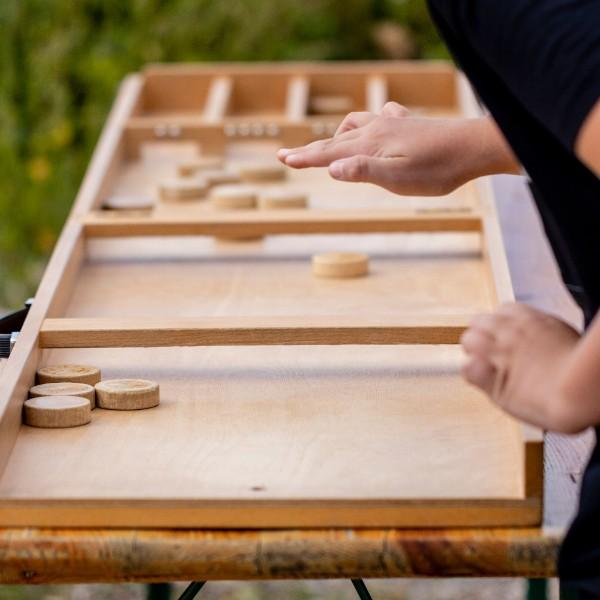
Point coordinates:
[(364, 168)]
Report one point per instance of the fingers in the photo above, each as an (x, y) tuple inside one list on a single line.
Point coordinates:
[(393, 109), (355, 120), (359, 119), (350, 139), (481, 373), (366, 169), (322, 152)]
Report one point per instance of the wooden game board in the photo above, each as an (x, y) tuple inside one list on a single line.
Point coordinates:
[(286, 401)]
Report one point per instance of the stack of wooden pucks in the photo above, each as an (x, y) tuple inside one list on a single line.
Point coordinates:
[(65, 396)]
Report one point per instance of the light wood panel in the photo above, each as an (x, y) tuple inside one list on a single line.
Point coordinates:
[(264, 436), (249, 331), (292, 221), (255, 425)]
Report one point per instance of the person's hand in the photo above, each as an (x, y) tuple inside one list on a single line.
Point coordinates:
[(518, 356), (408, 155)]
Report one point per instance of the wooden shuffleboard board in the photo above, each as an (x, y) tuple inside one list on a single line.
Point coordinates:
[(286, 400)]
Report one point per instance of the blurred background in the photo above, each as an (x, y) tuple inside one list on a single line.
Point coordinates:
[(61, 62)]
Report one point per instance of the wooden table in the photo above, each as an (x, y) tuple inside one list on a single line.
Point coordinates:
[(89, 555), (32, 555)]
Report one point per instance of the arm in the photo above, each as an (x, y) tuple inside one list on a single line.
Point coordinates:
[(587, 144), (536, 367), (408, 155)]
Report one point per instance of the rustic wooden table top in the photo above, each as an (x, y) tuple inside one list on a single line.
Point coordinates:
[(70, 556)]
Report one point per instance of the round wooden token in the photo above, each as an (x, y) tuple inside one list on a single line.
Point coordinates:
[(65, 388), (220, 176), (182, 190), (127, 394), (233, 197), (57, 411), (281, 198), (199, 164), (340, 265), (74, 373), (128, 202), (262, 171)]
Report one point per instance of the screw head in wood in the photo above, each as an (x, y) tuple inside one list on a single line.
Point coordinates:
[(340, 265), (57, 411), (127, 394)]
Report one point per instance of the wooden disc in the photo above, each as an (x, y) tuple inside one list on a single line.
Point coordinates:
[(282, 198), (220, 176), (340, 265), (233, 197), (183, 189), (57, 411), (128, 202), (127, 394), (199, 164), (73, 373), (65, 388), (262, 171)]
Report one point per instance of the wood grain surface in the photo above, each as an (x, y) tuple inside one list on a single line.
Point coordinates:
[(76, 556), (88, 555), (249, 331)]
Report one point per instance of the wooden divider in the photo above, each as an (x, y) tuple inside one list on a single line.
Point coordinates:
[(248, 331), (292, 222)]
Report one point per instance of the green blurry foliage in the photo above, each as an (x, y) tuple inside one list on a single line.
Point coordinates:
[(61, 61)]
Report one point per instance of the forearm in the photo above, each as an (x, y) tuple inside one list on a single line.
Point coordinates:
[(487, 149), (578, 400), (587, 145)]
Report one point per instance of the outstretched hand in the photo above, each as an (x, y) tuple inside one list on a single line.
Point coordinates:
[(407, 155)]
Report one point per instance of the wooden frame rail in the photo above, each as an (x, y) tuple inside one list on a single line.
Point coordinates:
[(292, 222), (248, 331)]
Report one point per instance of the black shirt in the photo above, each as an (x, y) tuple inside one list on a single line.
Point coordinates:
[(536, 65)]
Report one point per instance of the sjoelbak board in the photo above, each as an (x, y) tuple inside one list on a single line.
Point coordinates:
[(287, 400)]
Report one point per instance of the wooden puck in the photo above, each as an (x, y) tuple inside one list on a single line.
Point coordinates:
[(65, 388), (199, 164), (220, 176), (282, 198), (183, 189), (73, 373), (233, 197), (128, 202), (127, 394), (57, 411), (340, 265), (262, 171)]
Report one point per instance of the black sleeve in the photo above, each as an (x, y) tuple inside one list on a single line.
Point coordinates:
[(546, 51)]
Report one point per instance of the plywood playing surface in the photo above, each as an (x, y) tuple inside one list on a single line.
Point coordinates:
[(274, 435)]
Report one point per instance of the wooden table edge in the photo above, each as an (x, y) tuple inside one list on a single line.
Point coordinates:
[(35, 556)]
